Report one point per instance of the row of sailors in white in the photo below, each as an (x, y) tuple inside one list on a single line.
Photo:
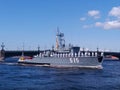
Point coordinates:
[(70, 54)]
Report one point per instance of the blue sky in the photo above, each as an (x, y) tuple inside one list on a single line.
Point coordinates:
[(86, 23)]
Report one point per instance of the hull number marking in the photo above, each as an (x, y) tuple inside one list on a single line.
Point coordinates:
[(74, 60)]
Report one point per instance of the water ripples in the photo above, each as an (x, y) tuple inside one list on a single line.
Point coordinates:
[(18, 77)]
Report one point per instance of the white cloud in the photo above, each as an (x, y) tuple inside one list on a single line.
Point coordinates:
[(109, 24), (98, 24), (115, 12), (87, 26), (82, 19), (112, 22), (94, 13)]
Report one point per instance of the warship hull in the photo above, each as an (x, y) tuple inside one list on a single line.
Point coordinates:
[(85, 62)]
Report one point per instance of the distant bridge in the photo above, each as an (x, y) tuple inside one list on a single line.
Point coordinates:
[(116, 54), (6, 54), (19, 53), (12, 53)]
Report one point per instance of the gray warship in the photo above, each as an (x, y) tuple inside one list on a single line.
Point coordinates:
[(63, 56)]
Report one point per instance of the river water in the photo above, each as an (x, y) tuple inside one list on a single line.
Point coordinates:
[(18, 77)]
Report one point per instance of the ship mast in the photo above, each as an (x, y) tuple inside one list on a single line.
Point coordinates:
[(57, 45), (60, 42)]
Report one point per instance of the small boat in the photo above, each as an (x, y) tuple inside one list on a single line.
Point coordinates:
[(110, 57)]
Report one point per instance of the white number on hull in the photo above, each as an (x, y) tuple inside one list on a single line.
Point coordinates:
[(71, 61), (74, 60)]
